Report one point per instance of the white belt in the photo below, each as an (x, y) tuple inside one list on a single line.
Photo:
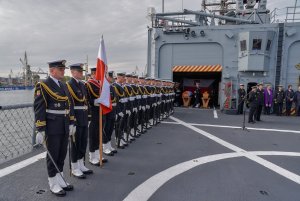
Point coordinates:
[(145, 96), (138, 96), (114, 104), (65, 112), (123, 100), (81, 107), (131, 98)]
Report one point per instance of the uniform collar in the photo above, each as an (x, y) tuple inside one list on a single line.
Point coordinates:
[(55, 80)]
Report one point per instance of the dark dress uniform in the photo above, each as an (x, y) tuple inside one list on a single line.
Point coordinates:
[(241, 94), (289, 99), (93, 88), (129, 116), (197, 95), (279, 98), (253, 105), (53, 114), (78, 92), (120, 109), (260, 103), (109, 124)]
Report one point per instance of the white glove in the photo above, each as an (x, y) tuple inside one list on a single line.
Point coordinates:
[(128, 112), (154, 105), (140, 107), (135, 109), (39, 138), (143, 108), (89, 123), (96, 104), (148, 106), (121, 114), (97, 100), (72, 129)]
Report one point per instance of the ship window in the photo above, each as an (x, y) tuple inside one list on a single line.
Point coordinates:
[(256, 44), (243, 45), (268, 45)]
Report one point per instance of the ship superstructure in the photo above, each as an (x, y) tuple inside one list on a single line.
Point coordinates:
[(220, 47)]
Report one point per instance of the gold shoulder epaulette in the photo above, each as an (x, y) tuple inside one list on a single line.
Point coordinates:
[(118, 93), (74, 95), (53, 94), (91, 90)]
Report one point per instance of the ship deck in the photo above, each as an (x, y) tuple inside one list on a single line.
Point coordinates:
[(193, 155)]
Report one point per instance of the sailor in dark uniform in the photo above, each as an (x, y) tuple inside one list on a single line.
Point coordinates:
[(143, 103), (260, 101), (110, 119), (78, 92), (289, 99), (252, 104), (242, 95), (93, 88), (54, 120), (121, 110), (130, 109), (279, 99)]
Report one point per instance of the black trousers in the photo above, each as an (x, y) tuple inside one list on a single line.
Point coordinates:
[(241, 107), (279, 109), (94, 135), (258, 112), (298, 110), (251, 114), (57, 146), (78, 147), (108, 130), (288, 107)]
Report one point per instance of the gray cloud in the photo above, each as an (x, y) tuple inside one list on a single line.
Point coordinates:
[(71, 30)]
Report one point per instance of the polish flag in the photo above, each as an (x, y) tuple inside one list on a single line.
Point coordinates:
[(101, 69)]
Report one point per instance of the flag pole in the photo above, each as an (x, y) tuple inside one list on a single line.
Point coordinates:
[(100, 134)]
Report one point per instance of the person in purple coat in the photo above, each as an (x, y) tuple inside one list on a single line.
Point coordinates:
[(268, 99)]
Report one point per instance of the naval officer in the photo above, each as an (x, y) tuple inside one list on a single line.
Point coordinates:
[(54, 120), (78, 93), (242, 95), (253, 102)]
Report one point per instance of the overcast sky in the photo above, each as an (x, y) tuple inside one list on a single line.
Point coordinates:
[(71, 30)]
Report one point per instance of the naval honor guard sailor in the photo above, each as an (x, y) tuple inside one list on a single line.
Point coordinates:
[(54, 120), (78, 93), (93, 88)]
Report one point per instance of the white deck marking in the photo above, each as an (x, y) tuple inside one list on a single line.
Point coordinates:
[(249, 128), (22, 164), (283, 172), (215, 113), (145, 190)]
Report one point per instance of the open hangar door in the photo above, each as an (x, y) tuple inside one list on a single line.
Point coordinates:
[(209, 77)]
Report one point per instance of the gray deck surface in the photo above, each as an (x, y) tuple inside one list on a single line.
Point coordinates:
[(169, 144)]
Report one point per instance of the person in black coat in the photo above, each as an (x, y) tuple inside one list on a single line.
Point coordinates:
[(260, 101), (197, 95), (289, 99), (279, 99), (79, 96), (252, 102), (241, 95), (54, 120), (297, 101)]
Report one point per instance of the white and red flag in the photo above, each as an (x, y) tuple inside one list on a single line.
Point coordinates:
[(101, 69)]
